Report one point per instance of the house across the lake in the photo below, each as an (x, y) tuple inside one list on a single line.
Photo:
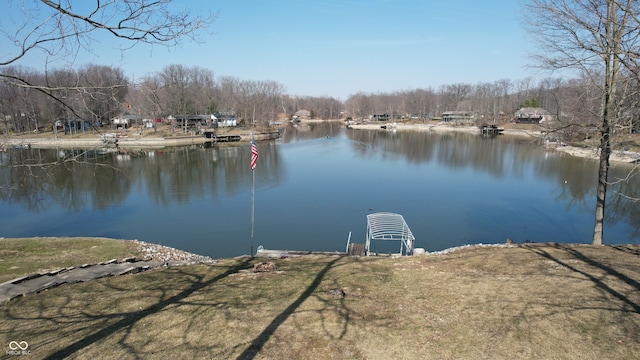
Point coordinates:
[(191, 121), (125, 121), (380, 117), (466, 117), (73, 126), (302, 115), (225, 120), (532, 115)]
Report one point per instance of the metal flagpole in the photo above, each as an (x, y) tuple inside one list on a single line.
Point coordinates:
[(254, 161), (253, 183)]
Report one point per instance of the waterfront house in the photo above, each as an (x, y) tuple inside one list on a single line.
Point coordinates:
[(302, 115), (532, 115), (124, 121), (466, 117), (380, 117)]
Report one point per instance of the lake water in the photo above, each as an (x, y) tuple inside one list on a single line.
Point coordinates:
[(314, 186)]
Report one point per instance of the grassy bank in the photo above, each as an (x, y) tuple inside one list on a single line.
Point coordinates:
[(20, 257), (529, 301)]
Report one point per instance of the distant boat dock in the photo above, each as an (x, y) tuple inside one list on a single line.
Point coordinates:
[(210, 134), (223, 136), (486, 129)]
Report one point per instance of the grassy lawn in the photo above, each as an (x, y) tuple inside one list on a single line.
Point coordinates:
[(20, 257), (529, 301)]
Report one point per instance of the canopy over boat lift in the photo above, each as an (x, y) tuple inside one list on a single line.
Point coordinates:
[(383, 226), (387, 226)]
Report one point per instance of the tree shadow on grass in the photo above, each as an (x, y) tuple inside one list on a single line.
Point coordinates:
[(133, 318), (258, 343), (629, 249), (597, 279)]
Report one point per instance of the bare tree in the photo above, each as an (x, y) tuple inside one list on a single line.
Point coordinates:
[(420, 103), (360, 105), (260, 100), (323, 107), (228, 94), (146, 97), (60, 29), (109, 88), (183, 90), (454, 96), (599, 38), (505, 104)]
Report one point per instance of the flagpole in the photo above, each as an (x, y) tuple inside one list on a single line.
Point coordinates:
[(254, 160), (253, 183)]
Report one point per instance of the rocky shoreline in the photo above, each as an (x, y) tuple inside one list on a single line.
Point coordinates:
[(165, 254)]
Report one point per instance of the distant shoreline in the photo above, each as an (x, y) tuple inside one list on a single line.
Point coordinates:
[(588, 153), (149, 142), (94, 140)]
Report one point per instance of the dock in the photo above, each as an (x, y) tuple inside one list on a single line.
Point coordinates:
[(486, 129), (382, 226), (210, 134), (262, 252)]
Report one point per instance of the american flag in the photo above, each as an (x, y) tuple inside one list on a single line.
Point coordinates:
[(254, 154)]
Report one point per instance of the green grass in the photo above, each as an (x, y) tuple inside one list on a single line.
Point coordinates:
[(25, 256)]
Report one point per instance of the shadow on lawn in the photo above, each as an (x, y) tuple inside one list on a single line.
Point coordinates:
[(260, 340), (598, 280), (134, 317)]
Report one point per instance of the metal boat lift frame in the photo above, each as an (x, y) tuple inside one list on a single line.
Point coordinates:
[(388, 226)]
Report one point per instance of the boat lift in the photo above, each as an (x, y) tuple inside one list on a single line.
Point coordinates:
[(386, 226)]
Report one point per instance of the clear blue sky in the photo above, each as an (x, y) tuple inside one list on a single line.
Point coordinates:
[(340, 47)]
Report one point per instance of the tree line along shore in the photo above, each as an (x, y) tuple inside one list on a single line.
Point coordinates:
[(164, 138)]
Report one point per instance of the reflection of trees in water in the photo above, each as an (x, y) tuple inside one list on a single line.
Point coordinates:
[(99, 181), (178, 175), (495, 156), (520, 158), (23, 186), (181, 174), (310, 130), (623, 196), (36, 178), (580, 176)]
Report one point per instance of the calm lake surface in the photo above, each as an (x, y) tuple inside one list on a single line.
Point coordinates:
[(314, 186)]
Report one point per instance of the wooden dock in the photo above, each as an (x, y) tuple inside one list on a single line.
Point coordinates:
[(490, 129), (221, 138), (356, 249), (214, 136), (262, 252)]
